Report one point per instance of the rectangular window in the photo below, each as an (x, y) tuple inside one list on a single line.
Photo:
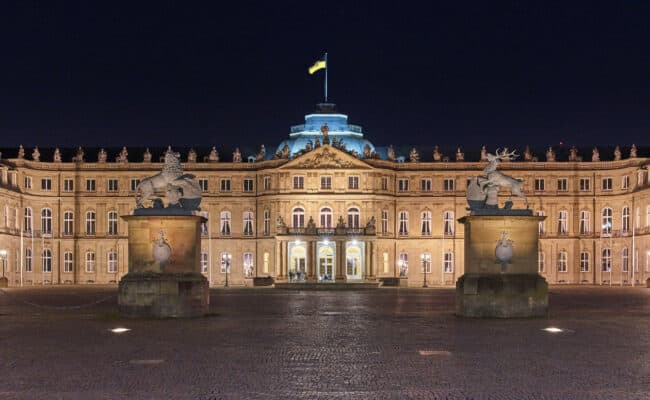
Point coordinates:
[(248, 223), (384, 222), (449, 185), (562, 185), (249, 270), (28, 182), (112, 223), (562, 262), (225, 185), (68, 185), (28, 260), (384, 183), (403, 264), (325, 182), (204, 262), (425, 185), (625, 183), (134, 184), (248, 185), (353, 182), (267, 183), (385, 256), (267, 258), (403, 223), (640, 178), (426, 262), (46, 184), (226, 259), (267, 222), (403, 185), (112, 185), (90, 185), (449, 262), (585, 184), (584, 261), (606, 260), (67, 262), (203, 184), (46, 261), (298, 182), (607, 184), (539, 184)]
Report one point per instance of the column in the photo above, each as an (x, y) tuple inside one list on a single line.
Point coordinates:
[(278, 259), (340, 261), (284, 259), (311, 261)]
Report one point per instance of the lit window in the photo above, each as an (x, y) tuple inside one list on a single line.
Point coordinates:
[(625, 258), (541, 225), (403, 264), (426, 262), (248, 265), (606, 260), (606, 226), (226, 259)]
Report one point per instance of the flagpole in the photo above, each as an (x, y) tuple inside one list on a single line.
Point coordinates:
[(326, 77)]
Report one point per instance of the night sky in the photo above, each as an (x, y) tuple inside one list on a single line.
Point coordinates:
[(230, 73)]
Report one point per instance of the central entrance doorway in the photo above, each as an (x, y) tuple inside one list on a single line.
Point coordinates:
[(354, 260), (297, 262), (326, 270)]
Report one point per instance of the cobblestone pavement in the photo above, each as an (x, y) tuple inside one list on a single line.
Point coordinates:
[(373, 344)]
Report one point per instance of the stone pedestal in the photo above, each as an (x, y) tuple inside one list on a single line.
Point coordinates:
[(494, 289), (4, 282), (164, 278)]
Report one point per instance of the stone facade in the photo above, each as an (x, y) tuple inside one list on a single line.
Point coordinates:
[(396, 217)]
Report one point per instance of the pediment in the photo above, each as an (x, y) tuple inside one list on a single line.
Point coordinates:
[(326, 157)]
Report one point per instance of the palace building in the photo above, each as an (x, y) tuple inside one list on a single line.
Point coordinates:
[(326, 206)]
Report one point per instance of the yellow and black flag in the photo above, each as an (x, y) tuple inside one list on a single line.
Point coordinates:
[(318, 65)]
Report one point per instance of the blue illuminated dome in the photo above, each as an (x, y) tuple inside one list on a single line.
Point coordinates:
[(338, 128)]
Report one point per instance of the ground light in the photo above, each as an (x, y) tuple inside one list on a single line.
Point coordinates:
[(120, 330), (553, 329)]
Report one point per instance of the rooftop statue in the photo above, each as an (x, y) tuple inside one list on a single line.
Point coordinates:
[(123, 156), (101, 156), (236, 156), (57, 155), (21, 151), (573, 154), (309, 145), (528, 155), (633, 151), (146, 157), (460, 156), (414, 156), (483, 153), (182, 190), (325, 131), (316, 143), (285, 152), (335, 142), (436, 153), (261, 154), (550, 155), (214, 155), (595, 155), (36, 155), (482, 191), (390, 153), (191, 155), (617, 153), (79, 155)]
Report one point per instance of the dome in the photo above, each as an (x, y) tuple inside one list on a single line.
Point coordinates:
[(338, 128)]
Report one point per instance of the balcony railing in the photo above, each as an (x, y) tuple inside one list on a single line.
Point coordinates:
[(326, 231)]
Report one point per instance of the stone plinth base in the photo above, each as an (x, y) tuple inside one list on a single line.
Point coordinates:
[(163, 295), (4, 282), (501, 296)]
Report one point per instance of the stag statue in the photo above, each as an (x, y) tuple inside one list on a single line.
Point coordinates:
[(482, 192), (181, 190)]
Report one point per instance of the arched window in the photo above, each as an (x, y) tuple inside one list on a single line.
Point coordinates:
[(562, 222), (67, 261), (353, 218), (90, 223), (90, 261), (298, 217), (248, 223), (28, 226), (585, 222), (425, 259), (225, 223), (46, 260), (426, 223), (584, 261), (606, 222), (325, 216), (606, 260), (28, 260), (541, 225), (112, 262), (46, 221), (625, 260), (112, 223), (626, 219), (249, 269), (449, 223), (267, 222), (68, 223), (403, 223), (562, 258)]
